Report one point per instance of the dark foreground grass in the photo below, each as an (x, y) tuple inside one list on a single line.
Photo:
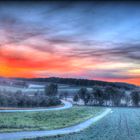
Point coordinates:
[(27, 121), (122, 124)]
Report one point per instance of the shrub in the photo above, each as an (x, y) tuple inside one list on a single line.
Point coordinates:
[(19, 99)]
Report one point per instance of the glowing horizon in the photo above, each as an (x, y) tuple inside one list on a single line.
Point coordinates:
[(93, 40)]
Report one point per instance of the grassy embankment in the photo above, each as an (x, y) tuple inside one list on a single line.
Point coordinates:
[(46, 120)]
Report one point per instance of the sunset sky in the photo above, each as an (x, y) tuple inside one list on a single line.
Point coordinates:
[(93, 40)]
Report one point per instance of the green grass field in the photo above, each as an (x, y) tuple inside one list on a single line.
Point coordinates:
[(46, 120), (122, 124)]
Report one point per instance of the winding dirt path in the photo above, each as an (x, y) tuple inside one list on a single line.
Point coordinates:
[(66, 106), (68, 130)]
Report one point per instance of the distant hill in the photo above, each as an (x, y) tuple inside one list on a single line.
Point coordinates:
[(79, 82)]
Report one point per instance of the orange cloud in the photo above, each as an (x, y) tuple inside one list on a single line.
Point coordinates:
[(23, 60)]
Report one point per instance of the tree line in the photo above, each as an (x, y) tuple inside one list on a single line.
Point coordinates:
[(108, 96), (99, 95), (80, 82), (19, 99)]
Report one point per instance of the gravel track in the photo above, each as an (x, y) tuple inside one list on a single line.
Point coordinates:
[(68, 130)]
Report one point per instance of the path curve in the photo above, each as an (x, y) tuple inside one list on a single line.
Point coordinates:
[(67, 130), (66, 106)]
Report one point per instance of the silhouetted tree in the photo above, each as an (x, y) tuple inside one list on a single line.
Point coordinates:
[(51, 90), (76, 98), (135, 97), (66, 94), (114, 95), (84, 95), (98, 94)]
